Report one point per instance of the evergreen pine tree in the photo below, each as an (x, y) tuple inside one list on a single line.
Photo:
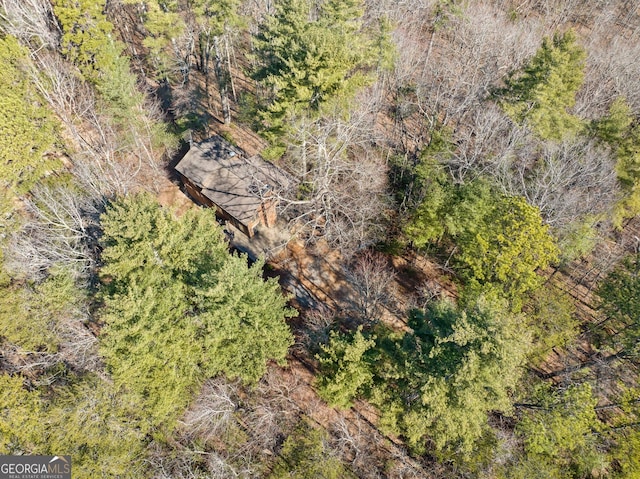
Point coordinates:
[(89, 42), (307, 59), (542, 95), (455, 367), (346, 370), (509, 246), (27, 128), (178, 308)]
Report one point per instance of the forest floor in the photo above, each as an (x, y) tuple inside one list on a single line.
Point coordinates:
[(582, 359)]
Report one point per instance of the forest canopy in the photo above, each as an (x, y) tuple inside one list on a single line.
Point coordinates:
[(454, 290), (178, 308)]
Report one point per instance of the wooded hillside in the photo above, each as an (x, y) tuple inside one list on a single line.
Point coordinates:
[(460, 294)]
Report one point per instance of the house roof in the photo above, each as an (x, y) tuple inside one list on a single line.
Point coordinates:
[(235, 183)]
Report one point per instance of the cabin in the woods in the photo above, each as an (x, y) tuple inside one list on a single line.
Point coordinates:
[(242, 189)]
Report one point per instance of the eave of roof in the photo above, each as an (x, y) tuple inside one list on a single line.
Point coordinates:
[(228, 178)]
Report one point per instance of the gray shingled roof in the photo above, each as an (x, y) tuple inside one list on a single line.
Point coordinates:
[(227, 177)]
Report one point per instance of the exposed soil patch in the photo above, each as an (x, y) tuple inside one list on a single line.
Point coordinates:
[(171, 195)]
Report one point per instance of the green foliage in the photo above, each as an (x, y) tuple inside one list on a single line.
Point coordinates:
[(138, 235), (150, 350), (345, 13), (577, 240), (544, 92), (426, 225), (550, 315), (562, 432), (163, 24), (304, 456), (27, 128), (625, 434), (425, 183), (532, 467), (619, 298), (613, 128), (30, 314), (436, 384), (86, 39), (216, 14), (167, 21), (622, 133), (248, 110), (86, 420), (20, 427), (94, 423), (88, 42), (454, 368), (509, 245), (215, 18), (5, 277), (306, 63), (443, 11), (444, 208), (117, 86), (628, 165), (178, 308), (497, 240), (627, 455), (244, 324), (383, 45), (345, 370), (628, 207)]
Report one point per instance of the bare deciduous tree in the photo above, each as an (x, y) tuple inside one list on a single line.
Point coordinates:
[(339, 192), (487, 133), (470, 54), (318, 324), (79, 346), (109, 158), (183, 463), (357, 446), (68, 96), (567, 181), (212, 413), (16, 360), (59, 229), (372, 279), (609, 74), (31, 21)]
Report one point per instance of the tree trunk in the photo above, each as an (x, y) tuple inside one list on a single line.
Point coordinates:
[(221, 75), (591, 362), (233, 87)]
